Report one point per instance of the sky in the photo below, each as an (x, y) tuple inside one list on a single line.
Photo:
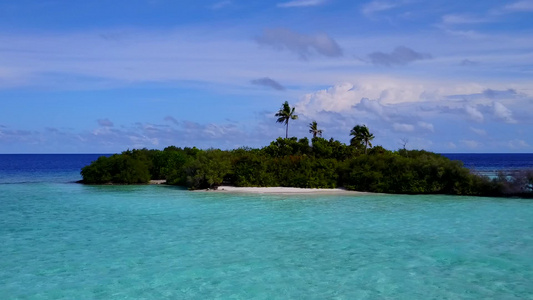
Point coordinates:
[(105, 76)]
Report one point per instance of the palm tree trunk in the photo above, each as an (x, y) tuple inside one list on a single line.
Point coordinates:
[(287, 130)]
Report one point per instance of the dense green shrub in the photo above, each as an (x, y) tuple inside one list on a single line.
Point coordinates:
[(99, 171), (208, 169), (130, 167), (296, 163), (289, 146), (250, 168), (413, 172), (322, 148)]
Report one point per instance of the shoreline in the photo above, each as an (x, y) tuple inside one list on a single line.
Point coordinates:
[(283, 191)]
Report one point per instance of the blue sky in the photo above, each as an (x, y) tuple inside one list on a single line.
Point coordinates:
[(105, 76)]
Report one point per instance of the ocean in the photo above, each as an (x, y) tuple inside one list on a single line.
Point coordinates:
[(62, 240), (490, 163)]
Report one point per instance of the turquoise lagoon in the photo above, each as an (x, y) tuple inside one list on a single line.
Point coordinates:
[(69, 241), (61, 240)]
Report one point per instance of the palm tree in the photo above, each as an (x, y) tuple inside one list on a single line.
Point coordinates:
[(285, 114), (313, 128), (361, 136)]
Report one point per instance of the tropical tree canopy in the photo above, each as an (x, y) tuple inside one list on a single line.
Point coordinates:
[(285, 114), (313, 128), (361, 136)]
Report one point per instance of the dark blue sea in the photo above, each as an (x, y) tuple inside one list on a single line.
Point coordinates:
[(26, 168), (491, 163), (62, 240)]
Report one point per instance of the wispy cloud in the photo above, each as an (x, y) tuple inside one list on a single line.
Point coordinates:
[(301, 3), (105, 122), (491, 16), (467, 63), (137, 135), (426, 125), (520, 6), (378, 6), (453, 19), (221, 4), (77, 60), (301, 44), (268, 82), (402, 127), (518, 144), (474, 113), (503, 113), (478, 131), (400, 56), (472, 144)]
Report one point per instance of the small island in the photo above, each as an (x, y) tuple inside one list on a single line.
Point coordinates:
[(304, 163)]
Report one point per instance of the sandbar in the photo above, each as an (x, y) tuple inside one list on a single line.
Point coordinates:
[(157, 181), (284, 191)]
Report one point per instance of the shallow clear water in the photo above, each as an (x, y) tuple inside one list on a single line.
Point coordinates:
[(69, 241), (60, 240)]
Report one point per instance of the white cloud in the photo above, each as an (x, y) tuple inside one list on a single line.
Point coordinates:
[(378, 6), (518, 144), (425, 125), (471, 144), (451, 145), (453, 19), (221, 4), (474, 113), (478, 131), (301, 3), (401, 127), (217, 130), (372, 106), (374, 93), (139, 135), (404, 101), (503, 113), (466, 34), (520, 6), (411, 109), (339, 98)]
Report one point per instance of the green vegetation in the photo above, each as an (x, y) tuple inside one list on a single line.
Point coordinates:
[(298, 163), (320, 163)]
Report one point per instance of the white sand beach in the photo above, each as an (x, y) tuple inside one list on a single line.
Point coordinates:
[(284, 191), (160, 181)]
